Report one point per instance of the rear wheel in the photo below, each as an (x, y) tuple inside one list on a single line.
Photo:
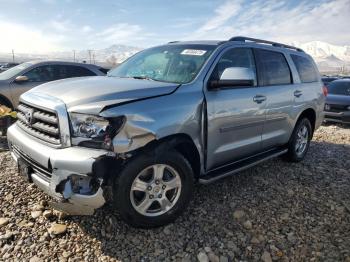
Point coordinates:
[(154, 189), (300, 141)]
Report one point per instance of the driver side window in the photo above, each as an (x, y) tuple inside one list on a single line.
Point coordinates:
[(236, 57), (40, 74)]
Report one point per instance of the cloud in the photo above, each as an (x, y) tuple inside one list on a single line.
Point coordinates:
[(24, 39), (86, 29), (122, 33), (60, 26), (222, 14), (278, 20)]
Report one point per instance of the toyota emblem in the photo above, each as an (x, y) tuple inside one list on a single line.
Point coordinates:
[(29, 116)]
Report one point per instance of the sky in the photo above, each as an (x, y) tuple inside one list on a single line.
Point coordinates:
[(61, 25)]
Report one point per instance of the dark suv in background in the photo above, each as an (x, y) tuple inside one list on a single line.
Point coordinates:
[(337, 107), (21, 78)]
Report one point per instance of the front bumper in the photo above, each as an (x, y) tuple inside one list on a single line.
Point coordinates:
[(338, 117), (52, 171)]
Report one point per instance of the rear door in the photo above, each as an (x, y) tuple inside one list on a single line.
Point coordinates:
[(276, 83), (235, 116)]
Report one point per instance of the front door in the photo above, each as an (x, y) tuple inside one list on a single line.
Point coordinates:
[(235, 114), (36, 76)]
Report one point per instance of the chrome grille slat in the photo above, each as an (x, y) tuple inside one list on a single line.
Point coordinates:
[(45, 117), (42, 124), (46, 128)]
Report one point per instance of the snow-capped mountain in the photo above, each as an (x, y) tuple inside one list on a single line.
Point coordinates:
[(329, 58), (109, 57)]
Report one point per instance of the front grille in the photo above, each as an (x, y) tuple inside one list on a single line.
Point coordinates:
[(335, 108), (40, 123), (38, 169)]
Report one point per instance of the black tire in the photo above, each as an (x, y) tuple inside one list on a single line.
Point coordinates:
[(293, 155), (3, 130), (5, 103), (122, 188)]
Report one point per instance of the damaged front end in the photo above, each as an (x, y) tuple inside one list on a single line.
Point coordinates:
[(82, 195), (80, 177)]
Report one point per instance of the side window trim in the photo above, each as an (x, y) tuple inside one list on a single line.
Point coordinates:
[(259, 73)]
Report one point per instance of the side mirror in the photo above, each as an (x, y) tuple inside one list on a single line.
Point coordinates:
[(21, 79), (234, 76)]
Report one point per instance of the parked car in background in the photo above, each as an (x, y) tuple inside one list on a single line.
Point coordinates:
[(7, 66), (337, 107), (169, 115), (328, 79), (23, 77)]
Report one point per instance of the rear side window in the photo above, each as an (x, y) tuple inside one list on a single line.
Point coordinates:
[(273, 68), (103, 70), (339, 88), (305, 68), (77, 71)]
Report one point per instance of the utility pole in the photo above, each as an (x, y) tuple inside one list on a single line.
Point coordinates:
[(90, 54), (13, 55), (74, 55), (93, 55)]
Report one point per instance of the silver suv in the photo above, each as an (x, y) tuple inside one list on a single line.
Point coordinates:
[(167, 117)]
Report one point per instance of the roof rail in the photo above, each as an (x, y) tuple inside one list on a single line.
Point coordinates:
[(244, 39)]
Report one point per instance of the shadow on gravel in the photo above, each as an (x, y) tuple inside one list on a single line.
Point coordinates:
[(3, 143), (297, 211)]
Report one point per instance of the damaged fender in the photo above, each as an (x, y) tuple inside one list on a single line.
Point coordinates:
[(133, 135)]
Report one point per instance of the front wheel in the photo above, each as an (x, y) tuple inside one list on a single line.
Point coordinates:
[(153, 189), (300, 141)]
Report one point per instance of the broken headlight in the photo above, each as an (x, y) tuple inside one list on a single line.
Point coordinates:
[(94, 131), (88, 126)]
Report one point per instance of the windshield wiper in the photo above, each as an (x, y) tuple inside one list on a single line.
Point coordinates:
[(143, 78), (146, 78)]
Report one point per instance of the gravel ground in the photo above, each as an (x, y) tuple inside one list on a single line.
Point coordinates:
[(275, 211)]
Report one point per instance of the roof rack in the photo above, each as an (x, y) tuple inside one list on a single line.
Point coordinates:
[(244, 39)]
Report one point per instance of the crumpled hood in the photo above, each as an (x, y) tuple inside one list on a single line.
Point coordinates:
[(92, 94)]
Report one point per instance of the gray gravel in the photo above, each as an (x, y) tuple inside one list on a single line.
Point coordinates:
[(275, 211)]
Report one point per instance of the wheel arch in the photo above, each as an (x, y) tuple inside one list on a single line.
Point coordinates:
[(310, 114), (4, 99), (183, 144)]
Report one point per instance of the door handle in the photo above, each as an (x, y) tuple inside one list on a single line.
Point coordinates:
[(298, 93), (259, 99)]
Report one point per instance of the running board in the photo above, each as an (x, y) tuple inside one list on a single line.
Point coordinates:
[(238, 166)]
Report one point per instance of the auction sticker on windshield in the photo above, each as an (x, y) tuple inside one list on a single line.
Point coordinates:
[(193, 52)]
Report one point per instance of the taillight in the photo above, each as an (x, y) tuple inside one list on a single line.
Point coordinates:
[(325, 90)]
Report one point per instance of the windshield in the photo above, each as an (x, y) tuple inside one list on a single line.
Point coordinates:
[(14, 71), (170, 63), (339, 88)]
